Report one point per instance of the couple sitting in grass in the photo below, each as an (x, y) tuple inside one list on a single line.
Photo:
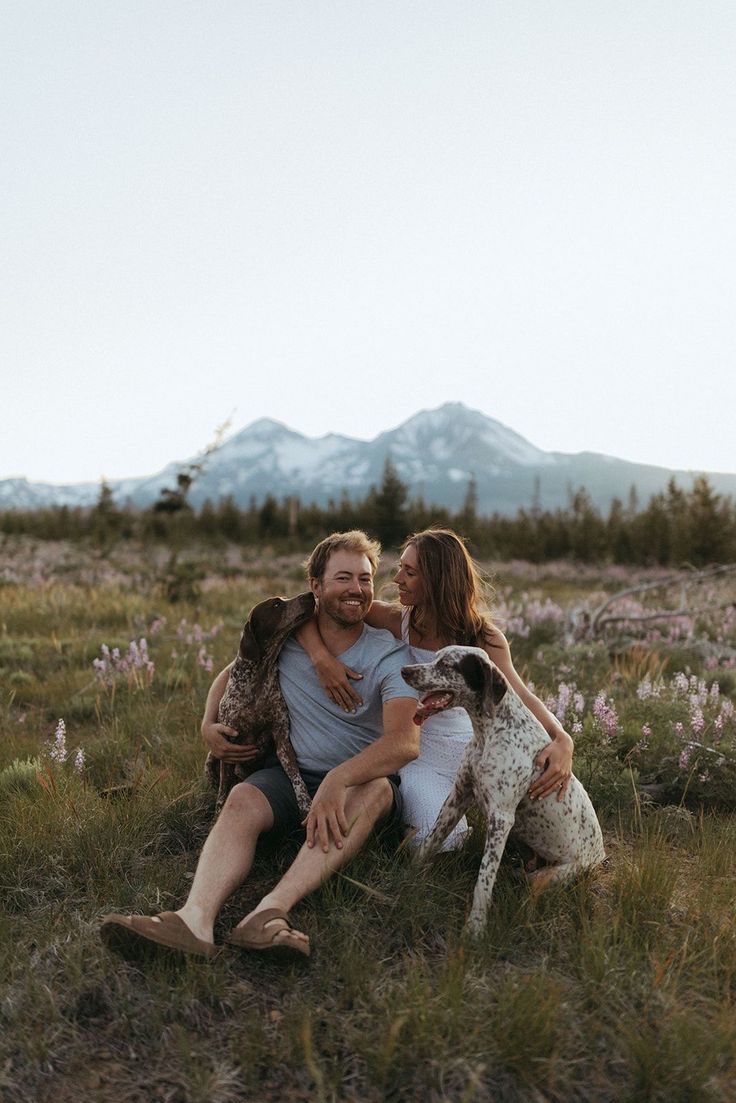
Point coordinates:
[(357, 746)]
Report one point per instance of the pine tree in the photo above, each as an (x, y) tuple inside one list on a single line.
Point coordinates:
[(389, 507)]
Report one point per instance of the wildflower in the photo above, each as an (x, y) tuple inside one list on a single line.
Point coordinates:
[(714, 693), (539, 612), (112, 666), (685, 756), (697, 720), (680, 683), (205, 660), (679, 730), (643, 743), (644, 689), (564, 693), (577, 728), (79, 760), (605, 715), (58, 751), (578, 702)]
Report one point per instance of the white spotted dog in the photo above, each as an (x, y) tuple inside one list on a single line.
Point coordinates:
[(496, 772)]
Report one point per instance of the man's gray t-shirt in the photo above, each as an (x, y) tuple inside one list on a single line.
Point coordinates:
[(322, 734)]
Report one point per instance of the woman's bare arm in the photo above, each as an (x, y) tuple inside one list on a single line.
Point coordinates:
[(333, 675), (557, 758), (384, 614), (215, 734)]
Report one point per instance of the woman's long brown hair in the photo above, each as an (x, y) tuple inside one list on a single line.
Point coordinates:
[(456, 596)]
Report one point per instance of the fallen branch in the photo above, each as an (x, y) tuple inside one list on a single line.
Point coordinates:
[(592, 625)]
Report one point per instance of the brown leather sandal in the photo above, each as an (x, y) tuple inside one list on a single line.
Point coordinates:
[(132, 935), (253, 935)]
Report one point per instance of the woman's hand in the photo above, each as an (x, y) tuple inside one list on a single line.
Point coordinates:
[(334, 678), (216, 737), (556, 757)]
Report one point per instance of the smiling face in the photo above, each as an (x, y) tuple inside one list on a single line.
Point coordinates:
[(408, 578), (345, 591)]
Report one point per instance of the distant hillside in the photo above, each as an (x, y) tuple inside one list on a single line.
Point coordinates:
[(435, 453)]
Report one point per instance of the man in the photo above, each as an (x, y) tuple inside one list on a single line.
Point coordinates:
[(347, 761)]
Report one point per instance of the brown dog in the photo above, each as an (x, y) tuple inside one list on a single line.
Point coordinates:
[(252, 702)]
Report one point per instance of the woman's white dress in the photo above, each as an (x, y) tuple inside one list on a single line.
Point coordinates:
[(427, 780)]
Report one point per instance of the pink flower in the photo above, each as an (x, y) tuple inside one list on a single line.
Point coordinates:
[(605, 716)]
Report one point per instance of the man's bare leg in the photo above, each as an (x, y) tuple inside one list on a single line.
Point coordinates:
[(226, 857), (364, 807)]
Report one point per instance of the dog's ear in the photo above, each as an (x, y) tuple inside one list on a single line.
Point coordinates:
[(249, 647), (498, 685), (482, 677)]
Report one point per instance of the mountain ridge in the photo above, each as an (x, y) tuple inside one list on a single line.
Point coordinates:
[(435, 452)]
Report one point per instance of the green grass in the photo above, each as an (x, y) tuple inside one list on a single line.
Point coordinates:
[(619, 987)]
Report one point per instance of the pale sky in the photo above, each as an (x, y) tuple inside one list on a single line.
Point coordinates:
[(338, 213)]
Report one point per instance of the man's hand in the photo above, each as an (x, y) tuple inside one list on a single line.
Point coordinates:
[(216, 737), (327, 815)]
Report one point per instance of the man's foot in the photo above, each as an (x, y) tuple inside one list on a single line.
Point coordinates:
[(134, 936), (270, 929)]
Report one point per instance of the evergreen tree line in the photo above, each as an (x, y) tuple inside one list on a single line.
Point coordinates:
[(676, 526)]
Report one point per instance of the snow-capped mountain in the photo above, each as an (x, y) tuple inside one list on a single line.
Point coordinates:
[(435, 453)]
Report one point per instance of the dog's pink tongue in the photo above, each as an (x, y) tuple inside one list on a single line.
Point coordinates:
[(433, 702)]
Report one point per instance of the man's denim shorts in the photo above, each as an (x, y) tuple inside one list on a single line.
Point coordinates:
[(279, 792)]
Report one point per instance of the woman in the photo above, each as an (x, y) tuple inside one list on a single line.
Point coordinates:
[(441, 595)]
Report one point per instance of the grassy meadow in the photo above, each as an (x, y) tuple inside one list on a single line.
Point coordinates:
[(620, 987)]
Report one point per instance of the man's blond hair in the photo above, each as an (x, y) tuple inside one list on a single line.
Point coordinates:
[(354, 541)]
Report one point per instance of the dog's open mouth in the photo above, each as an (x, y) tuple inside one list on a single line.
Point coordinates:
[(433, 702)]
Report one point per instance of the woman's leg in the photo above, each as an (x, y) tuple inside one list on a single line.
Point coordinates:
[(423, 791)]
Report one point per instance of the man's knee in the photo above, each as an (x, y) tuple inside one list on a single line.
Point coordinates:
[(248, 806), (376, 797)]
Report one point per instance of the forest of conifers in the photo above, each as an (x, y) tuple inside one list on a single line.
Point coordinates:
[(675, 527)]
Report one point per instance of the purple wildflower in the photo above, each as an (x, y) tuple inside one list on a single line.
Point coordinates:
[(605, 716), (58, 751), (685, 755), (697, 720)]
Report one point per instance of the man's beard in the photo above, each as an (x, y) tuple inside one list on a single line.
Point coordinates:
[(334, 610)]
